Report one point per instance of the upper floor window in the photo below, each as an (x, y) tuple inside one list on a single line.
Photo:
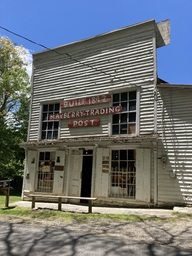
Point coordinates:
[(125, 122), (49, 128)]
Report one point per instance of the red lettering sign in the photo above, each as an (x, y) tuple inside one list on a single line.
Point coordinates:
[(85, 101), (83, 123), (86, 113)]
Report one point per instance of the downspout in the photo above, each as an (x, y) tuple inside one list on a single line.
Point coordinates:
[(155, 144), (155, 147)]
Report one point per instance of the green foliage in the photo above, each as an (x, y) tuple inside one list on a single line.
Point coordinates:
[(14, 107)]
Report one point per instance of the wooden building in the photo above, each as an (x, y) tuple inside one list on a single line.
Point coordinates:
[(103, 125)]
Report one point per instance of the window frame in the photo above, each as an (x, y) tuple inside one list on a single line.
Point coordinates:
[(41, 120), (122, 190), (137, 121)]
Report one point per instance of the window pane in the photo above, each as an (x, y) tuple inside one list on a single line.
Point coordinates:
[(56, 125), (50, 125), (57, 107), (115, 129), (132, 129), (43, 135), (114, 154), (49, 135), (44, 126), (123, 165), (45, 108), (132, 95), (55, 134), (132, 105), (124, 129), (47, 155), (123, 118), (124, 106), (123, 154), (131, 154), (41, 156), (124, 96), (115, 119), (51, 107), (115, 97), (45, 116), (132, 117)]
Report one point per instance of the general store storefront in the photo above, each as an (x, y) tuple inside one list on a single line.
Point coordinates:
[(122, 170), (117, 169)]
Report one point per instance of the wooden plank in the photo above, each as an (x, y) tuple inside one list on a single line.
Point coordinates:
[(59, 203), (63, 197), (35, 195), (33, 202)]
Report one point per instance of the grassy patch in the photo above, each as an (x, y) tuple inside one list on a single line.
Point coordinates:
[(46, 214), (53, 215), (12, 199), (182, 215)]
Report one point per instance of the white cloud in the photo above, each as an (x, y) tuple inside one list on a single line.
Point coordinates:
[(27, 58)]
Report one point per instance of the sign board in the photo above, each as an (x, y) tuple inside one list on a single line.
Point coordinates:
[(82, 114), (85, 101), (86, 113), (83, 123)]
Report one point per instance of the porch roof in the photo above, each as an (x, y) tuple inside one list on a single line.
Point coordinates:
[(90, 141)]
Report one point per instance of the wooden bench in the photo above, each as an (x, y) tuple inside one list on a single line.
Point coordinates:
[(59, 199)]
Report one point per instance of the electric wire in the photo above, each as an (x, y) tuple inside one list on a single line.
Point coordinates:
[(68, 55)]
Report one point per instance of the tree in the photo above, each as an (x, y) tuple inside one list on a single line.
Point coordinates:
[(14, 98)]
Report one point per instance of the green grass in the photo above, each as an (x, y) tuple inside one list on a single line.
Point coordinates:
[(53, 215), (46, 214), (12, 199)]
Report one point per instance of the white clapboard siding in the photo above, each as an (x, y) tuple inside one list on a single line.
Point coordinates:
[(101, 179), (58, 181), (109, 62), (143, 175), (175, 130), (30, 171)]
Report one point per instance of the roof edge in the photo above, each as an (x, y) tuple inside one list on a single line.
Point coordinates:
[(99, 35), (167, 85)]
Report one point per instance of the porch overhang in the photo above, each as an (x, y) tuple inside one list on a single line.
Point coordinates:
[(96, 141)]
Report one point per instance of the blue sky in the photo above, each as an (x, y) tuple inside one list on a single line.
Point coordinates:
[(54, 23)]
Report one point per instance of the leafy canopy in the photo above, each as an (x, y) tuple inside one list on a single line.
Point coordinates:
[(14, 107)]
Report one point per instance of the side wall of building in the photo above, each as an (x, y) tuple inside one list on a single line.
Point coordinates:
[(174, 146)]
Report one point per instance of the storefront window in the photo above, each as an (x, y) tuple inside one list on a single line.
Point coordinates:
[(123, 174), (49, 128), (45, 173), (125, 122)]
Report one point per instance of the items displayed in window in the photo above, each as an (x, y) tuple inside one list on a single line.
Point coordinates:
[(123, 174), (45, 172)]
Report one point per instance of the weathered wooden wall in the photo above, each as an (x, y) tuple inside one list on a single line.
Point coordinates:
[(175, 129), (111, 62)]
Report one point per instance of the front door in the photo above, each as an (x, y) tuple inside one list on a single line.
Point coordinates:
[(86, 176)]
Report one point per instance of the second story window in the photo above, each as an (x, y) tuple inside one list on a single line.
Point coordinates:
[(49, 128), (125, 122)]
